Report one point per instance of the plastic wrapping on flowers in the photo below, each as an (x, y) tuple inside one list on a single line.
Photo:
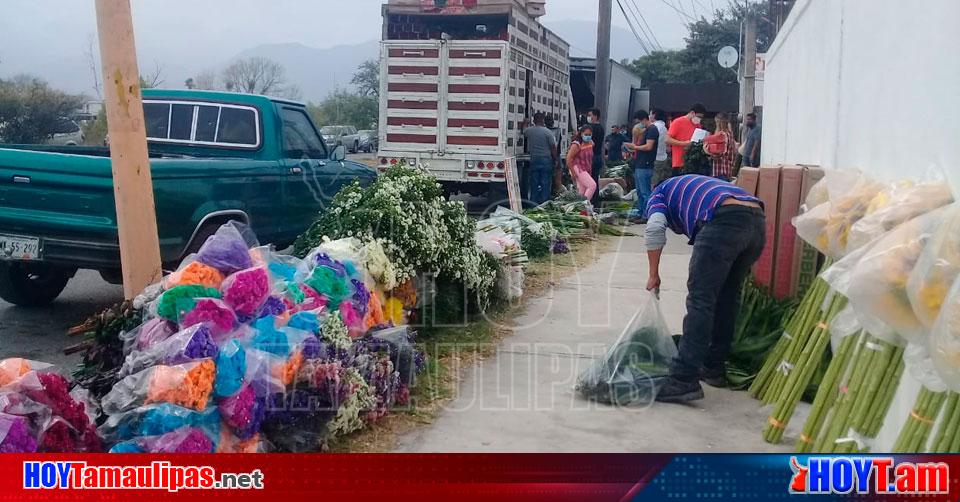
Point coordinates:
[(405, 212), (247, 367), (878, 284)]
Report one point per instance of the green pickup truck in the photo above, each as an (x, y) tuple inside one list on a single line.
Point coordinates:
[(214, 157)]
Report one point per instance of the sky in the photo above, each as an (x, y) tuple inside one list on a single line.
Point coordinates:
[(50, 38)]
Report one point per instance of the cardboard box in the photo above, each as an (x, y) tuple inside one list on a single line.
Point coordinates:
[(806, 259), (791, 184), (768, 191), (747, 179)]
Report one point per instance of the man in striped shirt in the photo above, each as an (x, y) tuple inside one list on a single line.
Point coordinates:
[(725, 225)]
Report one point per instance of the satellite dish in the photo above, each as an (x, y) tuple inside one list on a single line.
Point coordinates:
[(728, 57)]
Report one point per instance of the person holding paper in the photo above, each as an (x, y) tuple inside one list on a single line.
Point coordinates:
[(681, 132)]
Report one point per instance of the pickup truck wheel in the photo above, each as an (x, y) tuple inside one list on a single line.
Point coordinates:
[(32, 285)]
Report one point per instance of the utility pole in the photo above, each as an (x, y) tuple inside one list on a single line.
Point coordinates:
[(748, 83), (132, 184), (601, 83)]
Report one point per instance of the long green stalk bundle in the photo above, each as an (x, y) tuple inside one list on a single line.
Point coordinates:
[(916, 431)]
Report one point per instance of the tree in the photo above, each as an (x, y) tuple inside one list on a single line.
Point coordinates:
[(206, 80), (342, 107), (697, 62), (367, 78), (154, 79), (30, 109), (258, 75)]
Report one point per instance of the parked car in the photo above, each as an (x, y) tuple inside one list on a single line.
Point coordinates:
[(368, 140), (215, 157), (345, 136), (66, 132)]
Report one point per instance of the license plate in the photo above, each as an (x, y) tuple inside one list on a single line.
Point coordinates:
[(13, 247)]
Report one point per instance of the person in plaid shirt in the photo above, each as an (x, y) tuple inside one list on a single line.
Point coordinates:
[(722, 148)]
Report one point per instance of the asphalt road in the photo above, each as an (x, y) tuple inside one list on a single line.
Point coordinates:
[(40, 333)]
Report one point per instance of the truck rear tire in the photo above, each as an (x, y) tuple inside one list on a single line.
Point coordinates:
[(32, 285)]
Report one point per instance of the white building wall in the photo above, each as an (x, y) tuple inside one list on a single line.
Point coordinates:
[(868, 84)]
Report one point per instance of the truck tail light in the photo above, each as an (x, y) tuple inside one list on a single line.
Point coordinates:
[(383, 160), (499, 175), (500, 165), (473, 175), (393, 162)]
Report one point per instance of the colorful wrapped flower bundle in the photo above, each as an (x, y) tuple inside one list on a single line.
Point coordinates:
[(188, 385), (158, 419), (231, 369), (58, 436), (268, 338), (154, 331), (330, 280), (845, 212), (175, 301), (185, 440), (212, 313), (937, 268), (226, 250), (352, 319), (194, 273), (53, 390), (305, 321), (13, 368), (15, 436), (272, 306), (878, 285), (195, 342), (243, 412), (230, 443), (312, 300), (898, 203), (297, 420), (246, 290), (374, 315), (406, 293)]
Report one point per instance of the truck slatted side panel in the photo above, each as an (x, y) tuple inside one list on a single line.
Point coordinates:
[(410, 75), (476, 90)]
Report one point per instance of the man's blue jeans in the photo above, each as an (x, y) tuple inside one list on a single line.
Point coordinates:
[(725, 249), (541, 179), (643, 178)]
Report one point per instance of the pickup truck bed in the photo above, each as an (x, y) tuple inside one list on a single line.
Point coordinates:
[(57, 211)]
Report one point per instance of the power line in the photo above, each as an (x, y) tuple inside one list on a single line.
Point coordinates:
[(678, 11), (639, 26), (634, 30), (644, 19), (647, 32)]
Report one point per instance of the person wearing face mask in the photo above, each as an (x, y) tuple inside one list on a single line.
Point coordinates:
[(597, 133), (680, 132), (580, 161), (645, 137)]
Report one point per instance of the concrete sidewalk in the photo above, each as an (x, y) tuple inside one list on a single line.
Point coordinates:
[(522, 398)]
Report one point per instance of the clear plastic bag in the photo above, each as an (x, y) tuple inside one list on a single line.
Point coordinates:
[(937, 268), (629, 371), (15, 435), (194, 273), (228, 250), (398, 341), (246, 290), (944, 343), (188, 385), (175, 301), (845, 212), (158, 419), (184, 440), (195, 342), (810, 225), (216, 315), (898, 203), (12, 369), (878, 284)]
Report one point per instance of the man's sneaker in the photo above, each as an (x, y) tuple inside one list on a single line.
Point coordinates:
[(679, 391), (714, 378)]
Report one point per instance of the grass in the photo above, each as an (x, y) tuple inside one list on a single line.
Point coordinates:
[(451, 350)]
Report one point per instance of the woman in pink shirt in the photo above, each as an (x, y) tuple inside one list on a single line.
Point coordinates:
[(580, 161)]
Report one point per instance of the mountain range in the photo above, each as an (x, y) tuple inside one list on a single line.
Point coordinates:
[(317, 72)]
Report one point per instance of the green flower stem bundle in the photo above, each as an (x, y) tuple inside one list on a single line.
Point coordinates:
[(828, 392), (804, 319), (758, 329), (947, 438), (866, 395), (916, 431), (804, 365)]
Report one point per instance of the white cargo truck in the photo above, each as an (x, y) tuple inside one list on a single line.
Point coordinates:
[(457, 80)]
